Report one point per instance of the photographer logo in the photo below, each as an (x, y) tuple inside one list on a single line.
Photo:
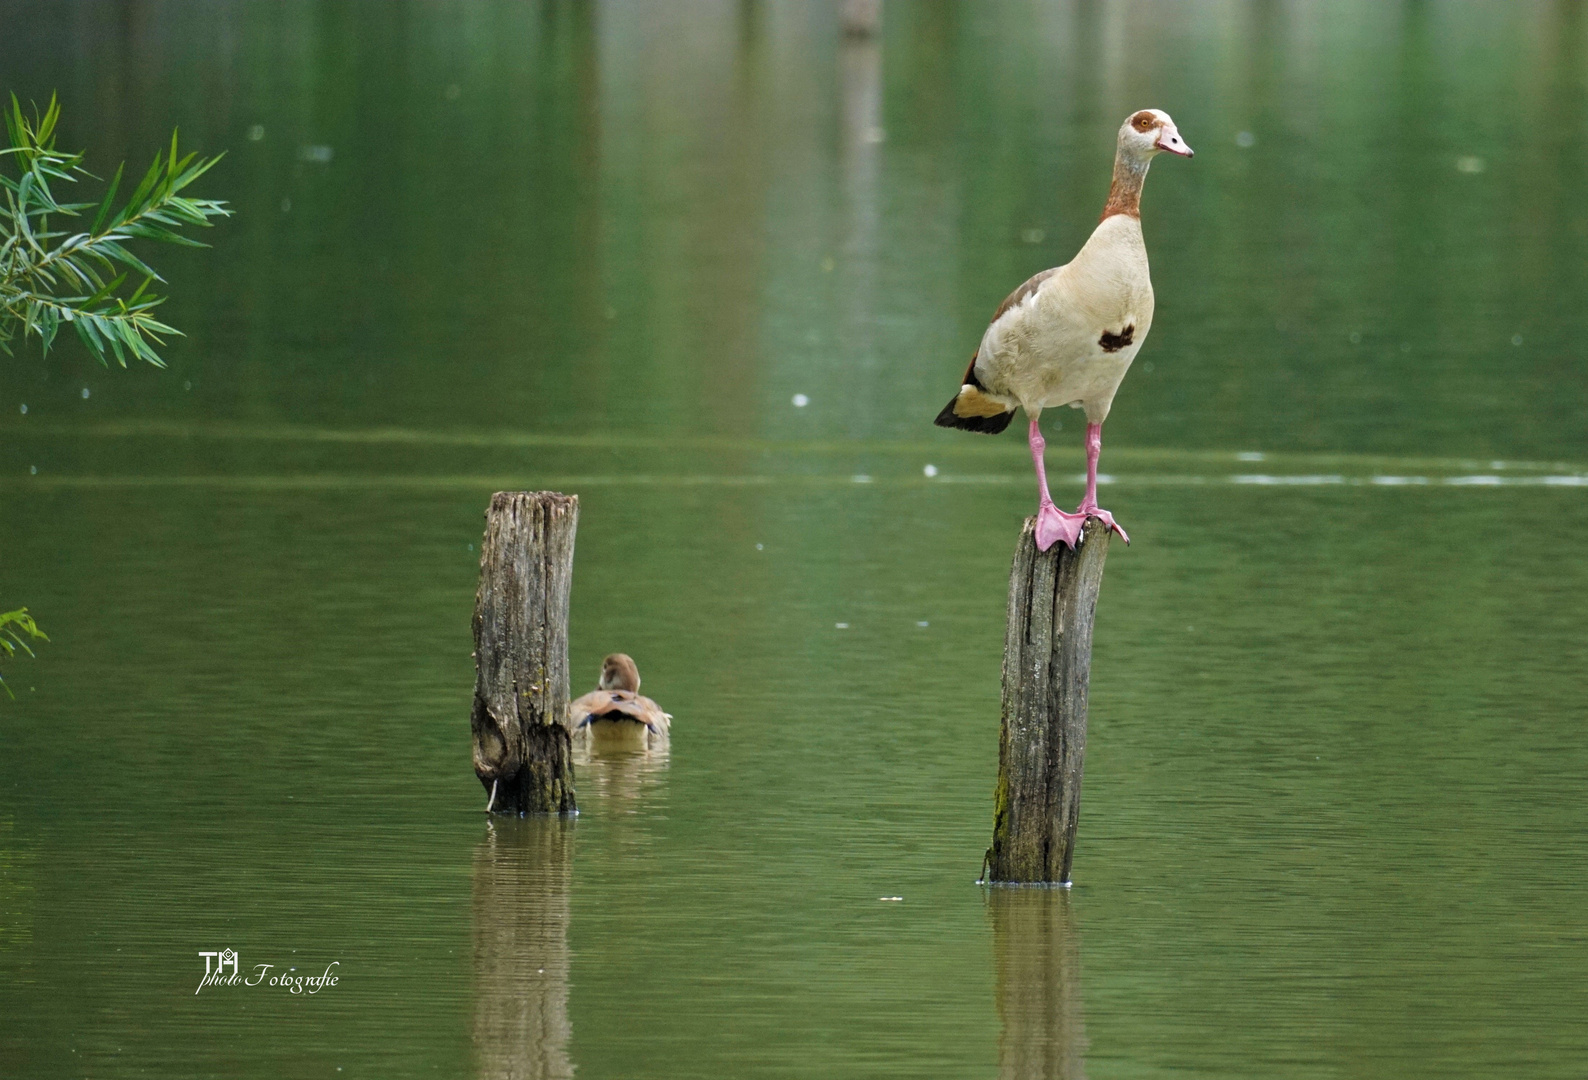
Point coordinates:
[(222, 969), (223, 959)]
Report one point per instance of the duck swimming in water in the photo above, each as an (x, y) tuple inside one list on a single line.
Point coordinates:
[(614, 716)]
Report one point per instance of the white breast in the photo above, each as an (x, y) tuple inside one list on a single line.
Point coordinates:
[(1062, 345)]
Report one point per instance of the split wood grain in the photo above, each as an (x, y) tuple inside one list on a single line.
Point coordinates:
[(521, 746), (1042, 738)]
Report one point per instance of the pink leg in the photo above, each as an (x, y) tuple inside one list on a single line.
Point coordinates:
[(1053, 524), (1089, 507)]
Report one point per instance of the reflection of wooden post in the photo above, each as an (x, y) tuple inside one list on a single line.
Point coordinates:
[(1042, 1034), (860, 88), (860, 18), (1047, 664), (523, 872), (521, 749)]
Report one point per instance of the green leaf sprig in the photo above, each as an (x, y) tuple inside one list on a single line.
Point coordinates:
[(10, 640), (51, 275)]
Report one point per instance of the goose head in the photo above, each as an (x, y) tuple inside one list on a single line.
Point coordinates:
[(1149, 132), (619, 673)]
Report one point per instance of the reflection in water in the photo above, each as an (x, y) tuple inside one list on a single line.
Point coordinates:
[(522, 878), (618, 778), (860, 67), (1036, 945), (860, 19)]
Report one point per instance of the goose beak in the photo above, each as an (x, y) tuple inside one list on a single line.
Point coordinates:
[(1171, 141)]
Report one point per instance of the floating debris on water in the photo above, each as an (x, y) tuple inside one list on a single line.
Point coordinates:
[(840, 626), (930, 470), (800, 401), (890, 899), (320, 155)]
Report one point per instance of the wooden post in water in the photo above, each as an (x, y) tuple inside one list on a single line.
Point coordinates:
[(1042, 741), (521, 748)]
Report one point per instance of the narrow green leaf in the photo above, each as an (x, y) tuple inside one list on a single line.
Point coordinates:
[(107, 330), (105, 290), (85, 331), (24, 646), (126, 258), (140, 194), (110, 197)]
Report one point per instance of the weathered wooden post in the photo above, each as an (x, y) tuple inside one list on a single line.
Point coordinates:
[(521, 748), (1042, 741)]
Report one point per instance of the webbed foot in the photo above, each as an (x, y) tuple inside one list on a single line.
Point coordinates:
[(1104, 516), (1054, 525)]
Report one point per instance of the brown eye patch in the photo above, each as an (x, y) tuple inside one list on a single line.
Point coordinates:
[(1144, 121)]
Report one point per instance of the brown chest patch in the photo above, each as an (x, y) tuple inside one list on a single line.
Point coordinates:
[(1112, 342)]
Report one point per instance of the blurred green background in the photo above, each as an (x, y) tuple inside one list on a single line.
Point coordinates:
[(1333, 821)]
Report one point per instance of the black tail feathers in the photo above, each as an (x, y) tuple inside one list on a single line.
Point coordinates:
[(990, 425)]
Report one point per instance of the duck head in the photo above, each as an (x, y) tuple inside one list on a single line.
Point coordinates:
[(619, 673), (1147, 133)]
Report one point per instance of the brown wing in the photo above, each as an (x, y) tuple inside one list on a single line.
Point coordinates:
[(1027, 287), (972, 409), (614, 705), (1031, 285), (595, 703)]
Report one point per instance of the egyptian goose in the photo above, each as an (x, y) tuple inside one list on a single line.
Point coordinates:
[(614, 716), (1067, 336)]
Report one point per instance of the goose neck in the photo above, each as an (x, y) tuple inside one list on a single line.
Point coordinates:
[(1124, 195)]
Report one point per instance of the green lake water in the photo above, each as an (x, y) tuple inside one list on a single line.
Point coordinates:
[(1336, 808)]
